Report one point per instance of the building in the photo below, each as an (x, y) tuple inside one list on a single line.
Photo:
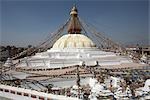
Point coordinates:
[(75, 48), (70, 61)]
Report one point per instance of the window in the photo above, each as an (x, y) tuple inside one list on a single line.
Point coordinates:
[(26, 94), (13, 92), (6, 90), (41, 98), (18, 93), (33, 96), (1, 89)]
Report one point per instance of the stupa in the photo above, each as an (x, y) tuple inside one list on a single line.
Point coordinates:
[(75, 48)]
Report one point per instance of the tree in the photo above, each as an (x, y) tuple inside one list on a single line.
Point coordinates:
[(29, 46)]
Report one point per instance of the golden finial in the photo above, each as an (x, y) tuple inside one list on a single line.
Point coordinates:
[(74, 10)]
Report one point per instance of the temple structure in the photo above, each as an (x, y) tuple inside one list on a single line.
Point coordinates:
[(73, 68), (75, 48)]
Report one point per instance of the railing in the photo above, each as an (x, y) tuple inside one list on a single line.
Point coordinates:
[(30, 94)]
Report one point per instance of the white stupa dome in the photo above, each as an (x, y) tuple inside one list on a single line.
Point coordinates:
[(73, 41), (74, 38)]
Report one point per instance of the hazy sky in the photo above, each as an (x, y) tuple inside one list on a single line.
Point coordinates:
[(25, 22)]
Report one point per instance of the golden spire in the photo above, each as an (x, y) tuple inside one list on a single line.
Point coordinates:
[(74, 26), (74, 11)]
